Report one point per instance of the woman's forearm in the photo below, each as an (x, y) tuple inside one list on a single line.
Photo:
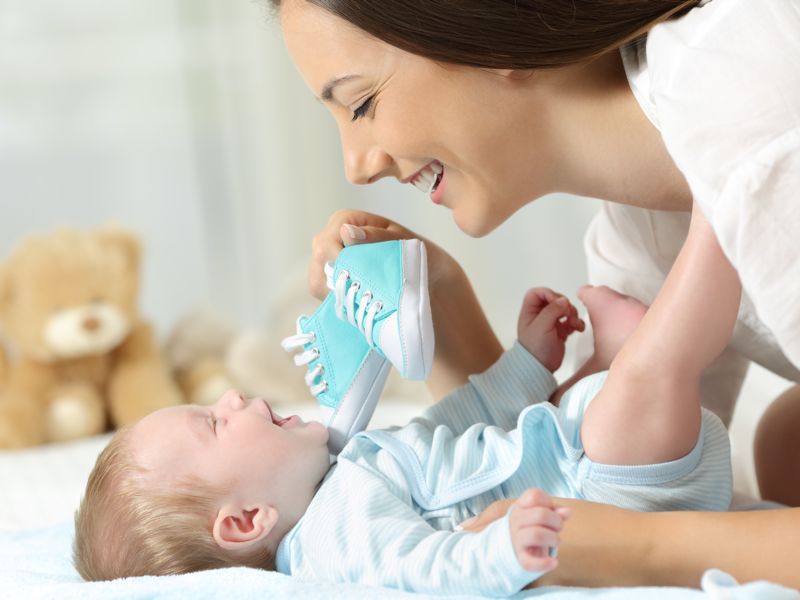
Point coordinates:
[(465, 342), (606, 546), (750, 545)]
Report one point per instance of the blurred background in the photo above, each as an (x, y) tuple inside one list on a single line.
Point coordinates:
[(185, 121)]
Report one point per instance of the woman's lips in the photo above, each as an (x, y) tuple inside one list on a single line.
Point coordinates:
[(437, 194)]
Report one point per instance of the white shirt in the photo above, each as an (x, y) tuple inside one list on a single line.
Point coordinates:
[(722, 84)]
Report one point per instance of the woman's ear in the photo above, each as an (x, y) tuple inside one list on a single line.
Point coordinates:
[(237, 527)]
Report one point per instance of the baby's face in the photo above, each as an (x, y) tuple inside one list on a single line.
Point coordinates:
[(240, 445)]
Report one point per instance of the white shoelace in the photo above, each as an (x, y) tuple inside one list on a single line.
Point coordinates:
[(364, 317), (299, 340)]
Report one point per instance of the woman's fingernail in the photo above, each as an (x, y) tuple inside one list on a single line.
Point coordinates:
[(355, 233)]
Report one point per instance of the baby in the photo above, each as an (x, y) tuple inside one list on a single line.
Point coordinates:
[(190, 488)]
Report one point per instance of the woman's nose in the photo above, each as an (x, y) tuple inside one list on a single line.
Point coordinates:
[(365, 163)]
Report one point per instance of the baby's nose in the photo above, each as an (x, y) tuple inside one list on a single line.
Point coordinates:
[(233, 400)]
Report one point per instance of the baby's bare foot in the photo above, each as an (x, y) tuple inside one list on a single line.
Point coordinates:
[(614, 317)]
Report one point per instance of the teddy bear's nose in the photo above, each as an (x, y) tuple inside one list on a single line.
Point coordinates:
[(91, 324)]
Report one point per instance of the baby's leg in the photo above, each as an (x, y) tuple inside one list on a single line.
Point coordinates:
[(614, 318), (649, 408)]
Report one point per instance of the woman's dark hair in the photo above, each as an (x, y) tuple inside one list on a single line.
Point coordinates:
[(506, 34)]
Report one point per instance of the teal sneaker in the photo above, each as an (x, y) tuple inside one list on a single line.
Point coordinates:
[(382, 290), (344, 374)]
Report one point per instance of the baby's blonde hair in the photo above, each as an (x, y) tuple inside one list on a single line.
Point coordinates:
[(125, 528)]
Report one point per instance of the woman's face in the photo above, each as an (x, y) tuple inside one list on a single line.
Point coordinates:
[(408, 117)]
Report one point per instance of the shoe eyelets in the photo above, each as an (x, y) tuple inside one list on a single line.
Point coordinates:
[(316, 353)]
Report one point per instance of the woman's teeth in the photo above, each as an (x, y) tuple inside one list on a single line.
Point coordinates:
[(430, 177)]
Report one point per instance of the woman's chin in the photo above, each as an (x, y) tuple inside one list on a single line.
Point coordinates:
[(474, 225)]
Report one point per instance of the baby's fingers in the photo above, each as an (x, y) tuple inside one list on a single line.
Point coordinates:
[(535, 497), (537, 560), (537, 517), (537, 536)]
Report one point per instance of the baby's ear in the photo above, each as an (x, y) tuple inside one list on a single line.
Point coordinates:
[(237, 527)]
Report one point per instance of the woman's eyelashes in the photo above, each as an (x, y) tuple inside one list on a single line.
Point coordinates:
[(363, 109)]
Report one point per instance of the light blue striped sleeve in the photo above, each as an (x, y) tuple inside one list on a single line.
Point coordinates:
[(496, 396), (380, 540)]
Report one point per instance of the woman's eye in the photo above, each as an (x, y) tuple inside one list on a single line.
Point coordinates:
[(363, 109)]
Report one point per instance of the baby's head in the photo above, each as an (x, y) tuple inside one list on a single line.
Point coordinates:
[(189, 488)]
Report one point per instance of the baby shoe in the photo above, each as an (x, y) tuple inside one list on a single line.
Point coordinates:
[(345, 375), (382, 290)]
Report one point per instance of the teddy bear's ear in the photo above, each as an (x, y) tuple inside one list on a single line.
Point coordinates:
[(126, 242)]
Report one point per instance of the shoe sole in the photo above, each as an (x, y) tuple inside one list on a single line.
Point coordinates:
[(415, 300), (357, 405)]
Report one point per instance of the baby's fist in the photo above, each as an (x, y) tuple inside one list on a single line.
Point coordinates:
[(535, 522), (545, 322)]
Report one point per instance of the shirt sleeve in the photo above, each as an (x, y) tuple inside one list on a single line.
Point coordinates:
[(380, 540), (496, 396)]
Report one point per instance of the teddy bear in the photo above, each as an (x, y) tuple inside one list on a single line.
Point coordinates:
[(78, 358)]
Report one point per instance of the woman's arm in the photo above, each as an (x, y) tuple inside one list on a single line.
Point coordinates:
[(465, 342), (603, 545)]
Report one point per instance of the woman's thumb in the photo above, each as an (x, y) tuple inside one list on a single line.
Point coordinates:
[(354, 234)]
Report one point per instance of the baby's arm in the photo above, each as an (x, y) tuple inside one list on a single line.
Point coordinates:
[(377, 538), (522, 376), (496, 396)]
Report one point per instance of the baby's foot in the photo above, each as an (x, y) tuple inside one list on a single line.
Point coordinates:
[(614, 317)]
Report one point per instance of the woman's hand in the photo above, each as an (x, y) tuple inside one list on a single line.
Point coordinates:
[(465, 342), (350, 227)]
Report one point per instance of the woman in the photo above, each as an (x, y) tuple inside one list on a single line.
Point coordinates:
[(492, 105)]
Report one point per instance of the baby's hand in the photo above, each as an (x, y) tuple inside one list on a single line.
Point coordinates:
[(546, 320), (535, 522)]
